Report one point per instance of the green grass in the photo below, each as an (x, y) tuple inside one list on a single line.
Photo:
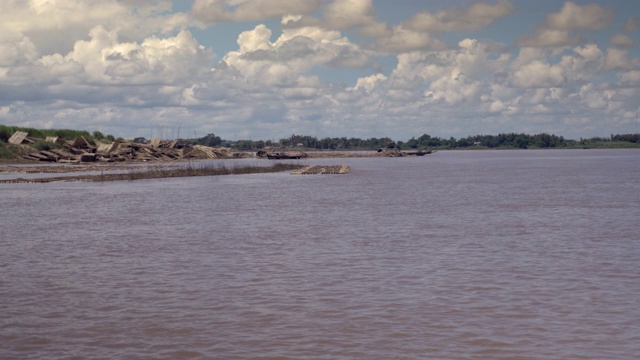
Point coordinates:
[(41, 145), (13, 152), (5, 151), (66, 134)]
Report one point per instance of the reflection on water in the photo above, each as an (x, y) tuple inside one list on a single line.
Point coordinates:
[(459, 255)]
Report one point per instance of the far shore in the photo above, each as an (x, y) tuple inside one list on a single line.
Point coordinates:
[(21, 165), (137, 170), (20, 162)]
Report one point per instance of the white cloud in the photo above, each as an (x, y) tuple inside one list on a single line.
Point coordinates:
[(582, 63), (54, 26), (622, 40), (403, 40), (410, 35), (97, 74), (559, 28), (617, 59), (500, 91), (258, 39), (630, 77), (453, 89), (296, 51), (632, 23), (250, 10), (129, 67), (370, 82), (529, 54), (360, 14), (574, 16), (497, 106), (345, 14), (475, 17), (539, 74), (155, 60), (471, 59), (549, 37), (16, 49), (592, 98), (589, 52)]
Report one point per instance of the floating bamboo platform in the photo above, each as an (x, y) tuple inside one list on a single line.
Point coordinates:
[(321, 170)]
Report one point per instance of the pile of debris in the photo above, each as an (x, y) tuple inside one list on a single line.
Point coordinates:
[(81, 150), (21, 137), (208, 152)]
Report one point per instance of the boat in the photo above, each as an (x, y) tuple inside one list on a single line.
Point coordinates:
[(285, 156), (418, 153)]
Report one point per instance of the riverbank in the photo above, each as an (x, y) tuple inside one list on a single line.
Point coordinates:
[(123, 173)]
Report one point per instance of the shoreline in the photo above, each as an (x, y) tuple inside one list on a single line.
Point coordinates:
[(24, 166), (20, 163), (150, 172)]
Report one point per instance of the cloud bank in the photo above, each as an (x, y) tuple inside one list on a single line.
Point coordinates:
[(132, 67)]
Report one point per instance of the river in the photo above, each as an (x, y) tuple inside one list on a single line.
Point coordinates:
[(456, 255)]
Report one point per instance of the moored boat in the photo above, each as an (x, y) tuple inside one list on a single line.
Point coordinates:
[(285, 156)]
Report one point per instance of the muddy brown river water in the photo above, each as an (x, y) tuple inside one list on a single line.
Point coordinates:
[(459, 255)]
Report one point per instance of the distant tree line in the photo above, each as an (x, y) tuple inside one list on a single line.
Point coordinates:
[(208, 140), (327, 143), (513, 140), (426, 141), (632, 138)]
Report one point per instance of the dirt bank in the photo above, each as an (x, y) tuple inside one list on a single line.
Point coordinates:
[(154, 172)]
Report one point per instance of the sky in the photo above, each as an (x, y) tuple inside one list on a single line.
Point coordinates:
[(268, 69)]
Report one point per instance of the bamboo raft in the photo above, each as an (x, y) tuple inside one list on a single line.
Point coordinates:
[(321, 170)]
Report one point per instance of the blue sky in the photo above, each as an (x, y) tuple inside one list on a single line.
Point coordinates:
[(266, 69)]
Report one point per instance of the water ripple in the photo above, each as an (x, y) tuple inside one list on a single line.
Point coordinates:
[(464, 255)]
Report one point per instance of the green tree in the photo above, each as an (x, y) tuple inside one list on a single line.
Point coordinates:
[(412, 143), (209, 140)]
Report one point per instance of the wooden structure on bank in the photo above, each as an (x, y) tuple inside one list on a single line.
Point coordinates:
[(19, 137), (80, 150), (54, 140)]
